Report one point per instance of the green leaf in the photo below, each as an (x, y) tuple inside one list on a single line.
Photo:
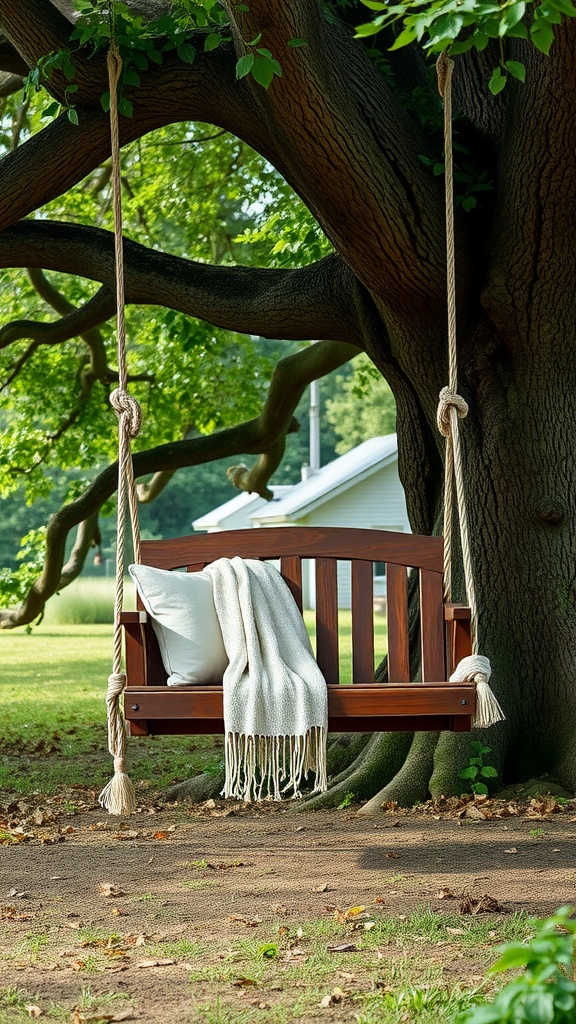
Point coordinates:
[(539, 1008), (297, 42), (212, 41), (516, 69), (72, 115), (566, 7), (542, 35), (497, 82), (186, 52), (479, 788), (245, 65), (51, 110), (105, 101), (264, 69), (368, 28), (256, 40), (408, 35), (511, 16), (125, 107), (131, 77), (488, 772), (468, 773)]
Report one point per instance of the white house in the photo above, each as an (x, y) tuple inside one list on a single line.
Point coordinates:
[(361, 488)]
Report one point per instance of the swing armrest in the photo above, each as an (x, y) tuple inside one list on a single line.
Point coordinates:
[(458, 637), (136, 624), (128, 618), (454, 611)]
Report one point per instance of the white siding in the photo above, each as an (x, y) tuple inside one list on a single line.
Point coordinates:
[(377, 503)]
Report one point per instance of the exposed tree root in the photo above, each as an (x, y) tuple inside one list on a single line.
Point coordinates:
[(409, 785), (201, 787), (381, 758)]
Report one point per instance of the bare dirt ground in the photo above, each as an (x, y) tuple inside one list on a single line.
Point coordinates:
[(138, 906)]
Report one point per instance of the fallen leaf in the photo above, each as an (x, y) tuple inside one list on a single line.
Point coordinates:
[(344, 947), (393, 856), (445, 894), (161, 834), (109, 889), (321, 888), (482, 905), (456, 931), (355, 911), (243, 982), (332, 1000), (475, 813), (33, 1011), (511, 850)]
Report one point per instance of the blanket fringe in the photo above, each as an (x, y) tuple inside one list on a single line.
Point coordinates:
[(268, 767)]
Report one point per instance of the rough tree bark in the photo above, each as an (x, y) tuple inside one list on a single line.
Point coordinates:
[(336, 130)]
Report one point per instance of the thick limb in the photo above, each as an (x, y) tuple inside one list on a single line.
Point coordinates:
[(291, 376), (254, 437), (322, 300)]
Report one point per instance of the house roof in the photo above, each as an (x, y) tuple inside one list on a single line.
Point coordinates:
[(334, 478), (293, 502), (241, 502)]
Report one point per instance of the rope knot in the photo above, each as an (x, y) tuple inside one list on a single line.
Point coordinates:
[(116, 684), (449, 399), (127, 408)]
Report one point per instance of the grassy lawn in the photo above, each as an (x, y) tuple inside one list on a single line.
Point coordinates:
[(53, 683)]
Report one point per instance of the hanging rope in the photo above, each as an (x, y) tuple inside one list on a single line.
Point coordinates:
[(118, 796), (451, 408)]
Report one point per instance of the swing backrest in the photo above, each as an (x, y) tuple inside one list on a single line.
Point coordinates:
[(290, 546)]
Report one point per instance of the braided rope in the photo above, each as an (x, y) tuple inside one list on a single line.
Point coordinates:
[(451, 408), (118, 796)]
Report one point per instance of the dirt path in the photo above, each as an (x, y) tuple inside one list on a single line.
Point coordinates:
[(144, 907)]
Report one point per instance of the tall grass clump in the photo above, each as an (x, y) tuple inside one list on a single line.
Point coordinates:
[(88, 601)]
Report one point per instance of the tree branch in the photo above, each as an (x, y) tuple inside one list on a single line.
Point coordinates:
[(257, 436), (291, 376), (59, 156), (323, 300)]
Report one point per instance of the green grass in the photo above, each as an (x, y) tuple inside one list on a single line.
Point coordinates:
[(53, 683)]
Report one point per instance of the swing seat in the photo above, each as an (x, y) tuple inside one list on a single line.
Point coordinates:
[(432, 704)]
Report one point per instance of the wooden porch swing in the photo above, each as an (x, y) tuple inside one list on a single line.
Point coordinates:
[(452, 691)]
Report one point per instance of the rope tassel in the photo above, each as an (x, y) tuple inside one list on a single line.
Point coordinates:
[(118, 796), (477, 669)]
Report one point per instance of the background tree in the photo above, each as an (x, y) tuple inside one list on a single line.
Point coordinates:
[(355, 134)]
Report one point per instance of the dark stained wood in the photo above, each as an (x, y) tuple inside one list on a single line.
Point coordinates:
[(291, 569), (397, 613), (196, 567), (303, 541), (153, 707), (366, 701), (327, 619), (362, 573), (432, 626)]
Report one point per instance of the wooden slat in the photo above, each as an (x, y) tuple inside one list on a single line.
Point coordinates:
[(397, 612), (362, 621), (432, 626), (327, 619), (369, 701), (305, 541), (196, 567), (393, 723), (291, 569)]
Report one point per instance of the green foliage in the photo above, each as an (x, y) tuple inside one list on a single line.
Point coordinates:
[(546, 992), (462, 25), (476, 770), (363, 405)]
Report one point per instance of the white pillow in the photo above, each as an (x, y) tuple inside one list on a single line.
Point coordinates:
[(181, 606)]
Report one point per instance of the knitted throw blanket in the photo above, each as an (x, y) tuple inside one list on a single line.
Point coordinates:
[(275, 698)]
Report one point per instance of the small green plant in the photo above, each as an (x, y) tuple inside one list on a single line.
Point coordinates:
[(476, 770), (545, 993), (348, 799)]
